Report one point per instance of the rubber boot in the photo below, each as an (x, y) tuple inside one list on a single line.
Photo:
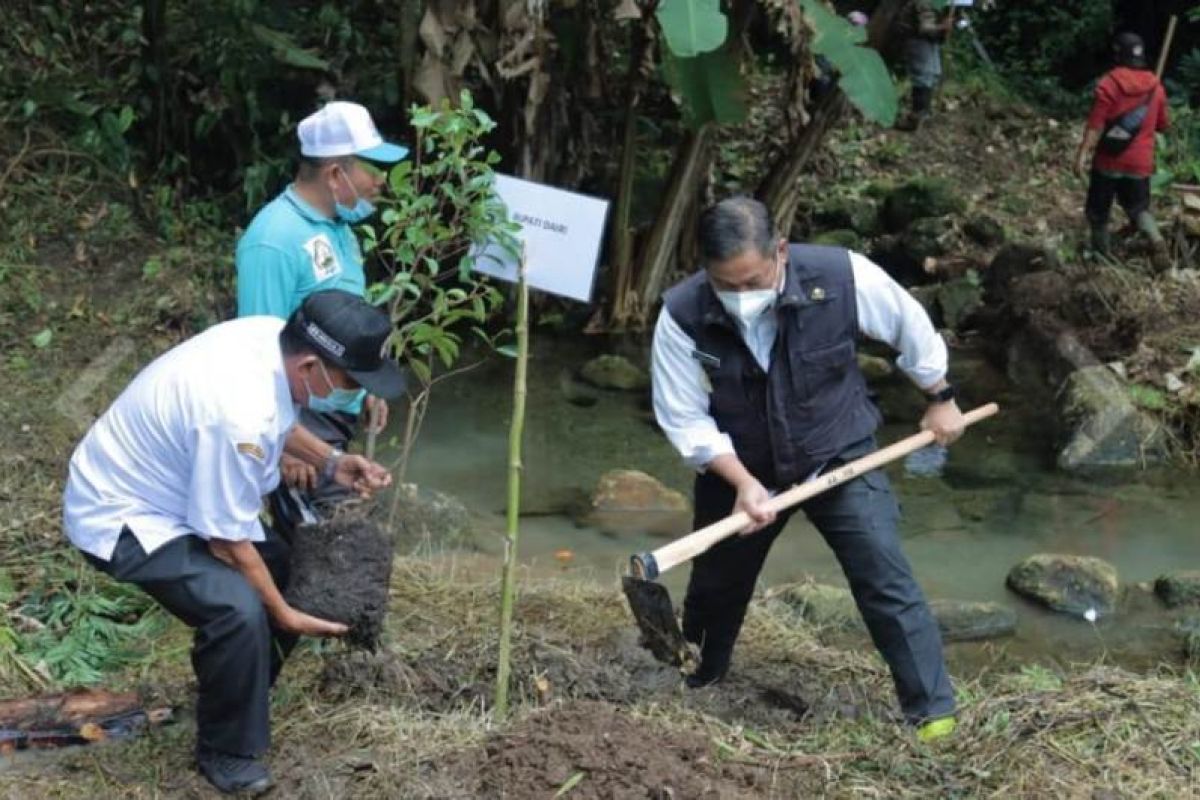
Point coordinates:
[(1101, 240), (922, 99), (1159, 257)]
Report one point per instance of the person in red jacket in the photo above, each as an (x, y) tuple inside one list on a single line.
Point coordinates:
[(1124, 175)]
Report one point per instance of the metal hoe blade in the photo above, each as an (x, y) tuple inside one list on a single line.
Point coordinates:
[(651, 607)]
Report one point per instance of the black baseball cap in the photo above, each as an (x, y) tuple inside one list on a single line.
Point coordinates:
[(1129, 50), (350, 333)]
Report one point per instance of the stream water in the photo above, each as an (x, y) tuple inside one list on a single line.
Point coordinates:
[(996, 500)]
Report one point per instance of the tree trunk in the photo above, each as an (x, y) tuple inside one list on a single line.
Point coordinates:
[(658, 256), (154, 73), (621, 243), (780, 190), (411, 12)]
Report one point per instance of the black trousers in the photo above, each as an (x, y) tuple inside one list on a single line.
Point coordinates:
[(1132, 193), (236, 654), (859, 521)]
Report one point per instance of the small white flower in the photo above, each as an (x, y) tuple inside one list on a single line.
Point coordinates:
[(1090, 615)]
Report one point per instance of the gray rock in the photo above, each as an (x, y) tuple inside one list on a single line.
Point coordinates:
[(963, 621), (1102, 428), (1070, 584), (615, 372), (1179, 589), (918, 199)]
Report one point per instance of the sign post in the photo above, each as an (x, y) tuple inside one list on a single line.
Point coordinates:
[(560, 245)]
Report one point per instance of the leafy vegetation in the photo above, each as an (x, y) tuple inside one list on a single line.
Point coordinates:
[(441, 206)]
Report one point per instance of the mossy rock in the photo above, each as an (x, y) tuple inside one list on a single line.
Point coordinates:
[(927, 296), (1105, 430), (875, 368), (1179, 589), (1189, 630), (984, 230), (615, 372), (839, 238), (964, 621), (958, 300), (846, 213), (822, 605), (1071, 584), (1011, 262), (919, 198), (926, 238)]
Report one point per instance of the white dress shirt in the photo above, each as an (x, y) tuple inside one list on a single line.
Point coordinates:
[(189, 448), (886, 312)]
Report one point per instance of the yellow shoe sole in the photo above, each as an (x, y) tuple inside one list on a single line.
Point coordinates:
[(936, 729)]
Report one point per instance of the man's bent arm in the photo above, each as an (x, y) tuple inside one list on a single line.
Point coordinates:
[(305, 445)]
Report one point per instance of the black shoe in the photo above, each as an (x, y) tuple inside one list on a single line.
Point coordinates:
[(233, 774), (712, 670)]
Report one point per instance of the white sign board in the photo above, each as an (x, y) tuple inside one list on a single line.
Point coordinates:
[(562, 232)]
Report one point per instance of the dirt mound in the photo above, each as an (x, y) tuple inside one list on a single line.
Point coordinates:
[(607, 754), (341, 569)]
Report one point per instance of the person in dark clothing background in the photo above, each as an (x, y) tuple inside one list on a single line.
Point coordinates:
[(756, 384), (928, 30), (1124, 175)]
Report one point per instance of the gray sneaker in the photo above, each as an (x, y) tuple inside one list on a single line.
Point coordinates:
[(233, 774)]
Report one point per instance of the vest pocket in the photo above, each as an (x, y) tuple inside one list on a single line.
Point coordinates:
[(817, 371)]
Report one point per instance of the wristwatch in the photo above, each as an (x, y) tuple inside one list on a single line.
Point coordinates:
[(330, 465), (943, 395)]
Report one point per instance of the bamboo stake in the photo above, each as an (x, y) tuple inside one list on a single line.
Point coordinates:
[(1166, 48), (372, 429), (515, 431)]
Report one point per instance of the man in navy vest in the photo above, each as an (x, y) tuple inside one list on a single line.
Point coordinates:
[(756, 383)]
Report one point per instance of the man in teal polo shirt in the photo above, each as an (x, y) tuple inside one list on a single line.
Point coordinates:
[(303, 242)]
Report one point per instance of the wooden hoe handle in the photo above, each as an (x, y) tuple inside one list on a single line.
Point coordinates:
[(651, 565)]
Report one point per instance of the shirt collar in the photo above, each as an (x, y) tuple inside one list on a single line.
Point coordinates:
[(283, 393), (304, 207)]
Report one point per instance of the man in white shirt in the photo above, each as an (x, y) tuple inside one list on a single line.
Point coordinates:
[(165, 490), (756, 384)]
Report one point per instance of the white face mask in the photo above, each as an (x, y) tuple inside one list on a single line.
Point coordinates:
[(747, 306)]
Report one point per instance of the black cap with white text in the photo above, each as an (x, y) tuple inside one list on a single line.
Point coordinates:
[(350, 333)]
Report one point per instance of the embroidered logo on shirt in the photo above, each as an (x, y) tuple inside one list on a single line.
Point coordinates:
[(252, 450), (324, 263), (817, 294)]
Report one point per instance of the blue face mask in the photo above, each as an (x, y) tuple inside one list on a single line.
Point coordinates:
[(355, 214), (345, 401), (362, 209)]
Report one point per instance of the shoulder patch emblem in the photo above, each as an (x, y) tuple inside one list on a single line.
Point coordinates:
[(324, 262), (252, 450)]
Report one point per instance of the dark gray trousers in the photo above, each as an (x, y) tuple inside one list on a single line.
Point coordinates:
[(859, 522), (236, 654)]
